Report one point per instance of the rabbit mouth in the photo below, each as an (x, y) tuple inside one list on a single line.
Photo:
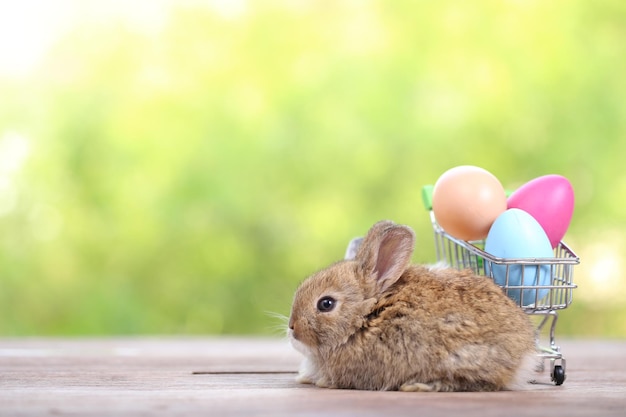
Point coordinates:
[(298, 345)]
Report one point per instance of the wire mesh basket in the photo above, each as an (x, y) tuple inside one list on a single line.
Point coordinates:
[(540, 286)]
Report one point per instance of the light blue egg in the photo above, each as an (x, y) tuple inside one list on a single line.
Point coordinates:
[(516, 234)]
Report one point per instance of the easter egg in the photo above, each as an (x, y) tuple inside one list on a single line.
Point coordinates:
[(550, 200), (515, 234), (466, 201)]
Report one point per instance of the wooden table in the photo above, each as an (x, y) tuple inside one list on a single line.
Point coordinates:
[(247, 376)]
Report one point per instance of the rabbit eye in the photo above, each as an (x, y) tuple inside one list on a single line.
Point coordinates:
[(326, 304)]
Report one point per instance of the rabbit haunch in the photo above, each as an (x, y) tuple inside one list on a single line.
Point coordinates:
[(376, 322)]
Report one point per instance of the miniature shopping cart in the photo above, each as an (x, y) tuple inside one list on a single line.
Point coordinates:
[(544, 300)]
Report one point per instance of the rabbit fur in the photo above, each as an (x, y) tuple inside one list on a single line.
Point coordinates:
[(386, 324)]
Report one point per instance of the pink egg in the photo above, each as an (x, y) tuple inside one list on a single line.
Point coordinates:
[(550, 200)]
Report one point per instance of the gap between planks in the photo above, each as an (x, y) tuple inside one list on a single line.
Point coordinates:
[(243, 372)]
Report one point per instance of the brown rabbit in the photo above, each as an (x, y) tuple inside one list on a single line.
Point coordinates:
[(376, 322)]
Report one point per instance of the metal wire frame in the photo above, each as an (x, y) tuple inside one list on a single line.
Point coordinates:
[(529, 289)]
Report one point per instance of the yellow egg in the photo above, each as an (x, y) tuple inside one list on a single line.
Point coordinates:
[(467, 200)]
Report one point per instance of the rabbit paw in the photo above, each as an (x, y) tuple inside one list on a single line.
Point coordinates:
[(324, 383), (308, 373), (415, 386), (304, 379)]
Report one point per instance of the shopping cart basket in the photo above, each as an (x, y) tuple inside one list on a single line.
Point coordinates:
[(540, 301)]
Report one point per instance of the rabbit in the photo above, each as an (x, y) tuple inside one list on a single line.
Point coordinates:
[(377, 322)]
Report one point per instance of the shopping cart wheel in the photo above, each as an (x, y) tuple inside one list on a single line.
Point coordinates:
[(558, 375)]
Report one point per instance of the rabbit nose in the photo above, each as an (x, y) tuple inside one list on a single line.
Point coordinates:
[(291, 323)]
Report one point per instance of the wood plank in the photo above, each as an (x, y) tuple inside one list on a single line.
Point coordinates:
[(243, 376)]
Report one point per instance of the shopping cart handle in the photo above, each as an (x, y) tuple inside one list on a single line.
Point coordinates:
[(427, 196)]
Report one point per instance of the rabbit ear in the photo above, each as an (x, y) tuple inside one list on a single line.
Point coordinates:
[(353, 248), (386, 252)]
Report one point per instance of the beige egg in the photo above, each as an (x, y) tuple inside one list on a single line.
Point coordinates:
[(467, 200)]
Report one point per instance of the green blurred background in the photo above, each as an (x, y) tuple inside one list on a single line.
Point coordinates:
[(179, 167)]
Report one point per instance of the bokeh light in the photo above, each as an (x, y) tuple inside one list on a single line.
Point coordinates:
[(180, 166)]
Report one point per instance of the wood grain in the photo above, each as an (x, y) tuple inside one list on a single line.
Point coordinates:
[(247, 376)]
